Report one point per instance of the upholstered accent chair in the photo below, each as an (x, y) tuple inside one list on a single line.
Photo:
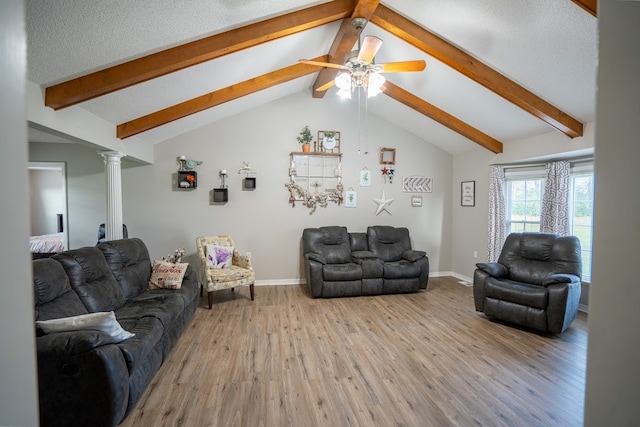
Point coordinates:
[(238, 272), (535, 283)]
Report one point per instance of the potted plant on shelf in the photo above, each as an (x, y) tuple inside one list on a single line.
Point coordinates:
[(305, 139)]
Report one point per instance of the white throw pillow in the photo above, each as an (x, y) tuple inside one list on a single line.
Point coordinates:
[(220, 256), (104, 321)]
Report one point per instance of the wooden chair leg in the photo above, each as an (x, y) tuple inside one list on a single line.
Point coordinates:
[(210, 297), (251, 289)]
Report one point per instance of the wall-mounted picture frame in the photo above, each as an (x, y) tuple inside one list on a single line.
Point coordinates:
[(365, 178), (350, 198), (468, 193), (416, 201), (329, 141), (387, 156)]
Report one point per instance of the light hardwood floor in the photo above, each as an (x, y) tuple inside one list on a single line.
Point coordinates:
[(424, 359)]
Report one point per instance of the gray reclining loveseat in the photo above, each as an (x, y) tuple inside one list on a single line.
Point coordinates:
[(381, 261)]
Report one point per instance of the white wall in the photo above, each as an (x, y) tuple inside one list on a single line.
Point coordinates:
[(613, 371), (470, 232), (18, 389), (262, 221)]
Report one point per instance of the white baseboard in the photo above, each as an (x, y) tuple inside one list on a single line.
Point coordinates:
[(280, 282)]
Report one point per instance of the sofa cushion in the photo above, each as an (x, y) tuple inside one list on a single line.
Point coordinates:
[(91, 278), (330, 242), (130, 264), (341, 272), (401, 270), (165, 307), (517, 292), (148, 334), (358, 242), (388, 243), (53, 294)]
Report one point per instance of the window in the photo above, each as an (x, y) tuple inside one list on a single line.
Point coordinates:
[(523, 199), (582, 214)]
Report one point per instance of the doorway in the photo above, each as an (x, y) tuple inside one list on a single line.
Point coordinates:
[(48, 196)]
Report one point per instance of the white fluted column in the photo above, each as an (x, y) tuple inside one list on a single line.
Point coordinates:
[(113, 230)]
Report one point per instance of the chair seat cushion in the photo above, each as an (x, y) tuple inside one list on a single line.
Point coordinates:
[(341, 272), (517, 292), (231, 274), (401, 270)]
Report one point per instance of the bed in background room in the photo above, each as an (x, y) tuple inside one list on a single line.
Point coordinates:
[(46, 245)]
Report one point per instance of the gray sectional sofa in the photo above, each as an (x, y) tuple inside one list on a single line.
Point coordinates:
[(379, 261), (86, 377)]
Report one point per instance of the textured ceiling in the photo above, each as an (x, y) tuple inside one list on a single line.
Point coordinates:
[(548, 46)]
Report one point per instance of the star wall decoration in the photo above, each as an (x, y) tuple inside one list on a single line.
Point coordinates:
[(383, 204)]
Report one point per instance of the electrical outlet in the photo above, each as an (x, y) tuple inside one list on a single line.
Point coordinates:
[(475, 254)]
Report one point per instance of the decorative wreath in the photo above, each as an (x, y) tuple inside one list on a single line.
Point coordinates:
[(313, 200)]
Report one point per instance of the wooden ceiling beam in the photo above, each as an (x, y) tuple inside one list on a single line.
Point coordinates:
[(472, 68), (442, 117), (209, 100), (590, 6), (343, 43), (168, 61)]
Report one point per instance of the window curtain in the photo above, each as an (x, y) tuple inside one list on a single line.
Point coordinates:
[(554, 216), (497, 213)]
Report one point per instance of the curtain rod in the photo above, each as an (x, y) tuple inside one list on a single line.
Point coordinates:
[(530, 165)]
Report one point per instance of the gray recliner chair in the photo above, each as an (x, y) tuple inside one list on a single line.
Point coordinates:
[(535, 283)]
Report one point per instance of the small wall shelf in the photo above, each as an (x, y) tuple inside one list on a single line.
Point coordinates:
[(220, 195), (187, 180), (249, 183)]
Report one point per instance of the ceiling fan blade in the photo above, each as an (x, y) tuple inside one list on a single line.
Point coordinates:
[(323, 64), (397, 67), (326, 86), (369, 48)]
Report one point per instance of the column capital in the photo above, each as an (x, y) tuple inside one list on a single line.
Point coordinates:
[(113, 156)]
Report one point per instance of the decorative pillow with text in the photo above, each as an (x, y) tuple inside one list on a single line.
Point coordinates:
[(167, 275), (219, 256)]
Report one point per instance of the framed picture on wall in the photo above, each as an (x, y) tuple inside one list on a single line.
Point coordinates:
[(468, 193)]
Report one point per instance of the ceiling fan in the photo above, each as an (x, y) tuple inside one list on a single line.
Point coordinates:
[(359, 69)]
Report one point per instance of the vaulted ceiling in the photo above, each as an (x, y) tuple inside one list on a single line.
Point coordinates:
[(497, 70)]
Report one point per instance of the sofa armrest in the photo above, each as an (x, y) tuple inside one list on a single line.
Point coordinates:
[(556, 278), (313, 256), (493, 269), (82, 380), (71, 343), (359, 255), (413, 255)]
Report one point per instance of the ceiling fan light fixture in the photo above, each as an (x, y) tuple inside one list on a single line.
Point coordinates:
[(344, 93), (374, 85), (343, 81)]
